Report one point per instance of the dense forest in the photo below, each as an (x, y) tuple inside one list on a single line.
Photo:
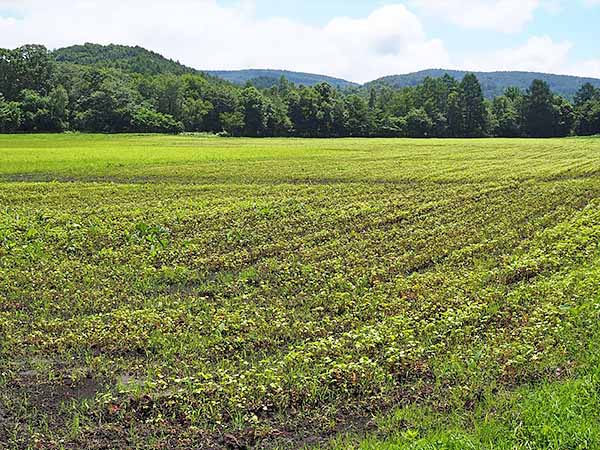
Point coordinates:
[(493, 84), (130, 59), (41, 91)]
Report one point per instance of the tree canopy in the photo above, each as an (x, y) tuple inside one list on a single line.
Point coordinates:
[(44, 92)]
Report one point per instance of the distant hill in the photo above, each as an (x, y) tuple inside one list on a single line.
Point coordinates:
[(130, 59), (266, 78), (494, 83), (140, 60)]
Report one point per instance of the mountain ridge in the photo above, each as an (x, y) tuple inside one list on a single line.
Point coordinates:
[(309, 79), (140, 60), (493, 83)]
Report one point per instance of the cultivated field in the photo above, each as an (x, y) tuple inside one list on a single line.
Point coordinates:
[(193, 292)]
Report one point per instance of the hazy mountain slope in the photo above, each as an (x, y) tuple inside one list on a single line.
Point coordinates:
[(141, 60), (265, 77), (494, 83)]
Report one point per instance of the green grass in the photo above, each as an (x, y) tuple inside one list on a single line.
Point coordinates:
[(558, 415), (177, 292)]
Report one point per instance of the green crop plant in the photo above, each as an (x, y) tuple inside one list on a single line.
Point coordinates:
[(201, 292)]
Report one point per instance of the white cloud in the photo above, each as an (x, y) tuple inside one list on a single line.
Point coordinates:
[(498, 15), (553, 6), (589, 68), (205, 35), (538, 54), (390, 40)]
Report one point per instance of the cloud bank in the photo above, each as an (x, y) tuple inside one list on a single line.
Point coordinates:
[(206, 35), (499, 15)]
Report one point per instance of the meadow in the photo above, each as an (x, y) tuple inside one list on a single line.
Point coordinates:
[(201, 292)]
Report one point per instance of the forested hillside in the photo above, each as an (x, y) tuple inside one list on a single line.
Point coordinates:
[(42, 91), (140, 60), (493, 83), (130, 59), (270, 78)]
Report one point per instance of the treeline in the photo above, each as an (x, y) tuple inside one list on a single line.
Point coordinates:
[(39, 94)]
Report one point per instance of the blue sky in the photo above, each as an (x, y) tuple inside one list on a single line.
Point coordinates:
[(574, 20), (313, 11), (353, 39)]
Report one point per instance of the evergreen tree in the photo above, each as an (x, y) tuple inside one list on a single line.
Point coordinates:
[(564, 117), (474, 106), (506, 118), (358, 122), (418, 124), (587, 111), (539, 112), (255, 108), (456, 115), (587, 121)]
